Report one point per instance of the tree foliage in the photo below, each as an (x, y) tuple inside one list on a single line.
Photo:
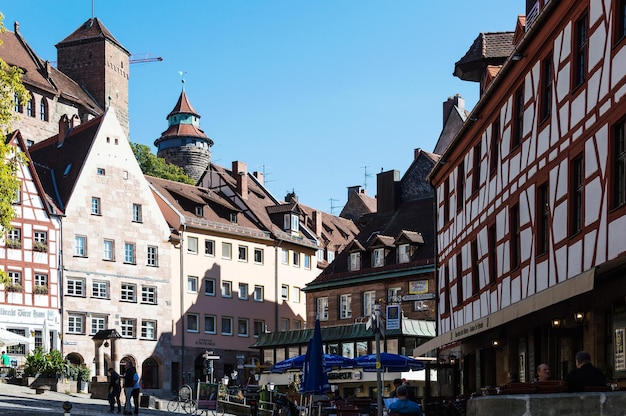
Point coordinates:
[(157, 166)]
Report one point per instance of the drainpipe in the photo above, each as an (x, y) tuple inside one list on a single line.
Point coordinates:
[(276, 260), (182, 299)]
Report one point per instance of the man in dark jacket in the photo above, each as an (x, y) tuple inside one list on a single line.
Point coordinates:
[(115, 389), (584, 375)]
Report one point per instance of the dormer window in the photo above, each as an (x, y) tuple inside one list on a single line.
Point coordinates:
[(378, 257), (404, 253), (233, 217), (355, 261), (199, 211), (291, 222)]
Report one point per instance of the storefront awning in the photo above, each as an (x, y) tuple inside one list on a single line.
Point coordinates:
[(572, 287)]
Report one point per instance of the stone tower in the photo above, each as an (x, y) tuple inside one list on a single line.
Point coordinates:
[(93, 58), (184, 143)]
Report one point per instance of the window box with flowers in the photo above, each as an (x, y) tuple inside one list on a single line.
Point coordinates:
[(14, 243), (13, 287), (40, 290), (40, 246)]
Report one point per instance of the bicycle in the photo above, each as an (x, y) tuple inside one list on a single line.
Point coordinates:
[(184, 399)]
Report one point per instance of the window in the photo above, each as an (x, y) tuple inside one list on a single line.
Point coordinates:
[(295, 294), (258, 293), (41, 280), (494, 149), (38, 339), (259, 328), (577, 189), (355, 261), (620, 20), (284, 256), (393, 295), (291, 222), (14, 238), (233, 217), (209, 247), (296, 325), (446, 289), (100, 171), (98, 323), (296, 259), (209, 287), (378, 257), (369, 300), (476, 167), (475, 277), (227, 251), (258, 256), (15, 277), (331, 256), (227, 289), (242, 327), (129, 253), (307, 262), (153, 256), (100, 289), (148, 329), (137, 215), (95, 206), (580, 51), (543, 217), (322, 308), (618, 171), (30, 107), (40, 237), (43, 109), (20, 348), (243, 291), (518, 118), (545, 106), (446, 201), (227, 325), (149, 295), (459, 279), (284, 324), (192, 284), (199, 211), (75, 324), (210, 324), (492, 239), (404, 253), (128, 327), (192, 245), (284, 292), (515, 236), (109, 250), (460, 186), (345, 306), (80, 246), (243, 253), (192, 322), (129, 292), (75, 287)]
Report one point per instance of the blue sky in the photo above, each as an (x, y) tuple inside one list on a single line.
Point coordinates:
[(313, 93)]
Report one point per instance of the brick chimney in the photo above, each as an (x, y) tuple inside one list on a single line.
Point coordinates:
[(240, 172), (260, 177), (388, 190), (448, 106), (317, 223), (64, 128), (354, 189)]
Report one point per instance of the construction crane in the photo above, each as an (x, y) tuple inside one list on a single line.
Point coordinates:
[(142, 58)]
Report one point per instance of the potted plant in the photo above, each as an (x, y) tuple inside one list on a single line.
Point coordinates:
[(47, 369), (83, 373), (40, 246), (40, 290), (13, 287), (14, 243)]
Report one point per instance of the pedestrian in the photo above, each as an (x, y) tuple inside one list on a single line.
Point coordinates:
[(403, 405), (6, 360), (129, 385), (396, 383), (584, 375), (135, 392), (115, 389), (543, 372)]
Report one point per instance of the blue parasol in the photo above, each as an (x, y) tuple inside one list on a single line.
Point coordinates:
[(297, 363), (314, 378), (388, 362)]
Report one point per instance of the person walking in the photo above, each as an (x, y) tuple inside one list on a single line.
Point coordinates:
[(6, 360), (129, 385), (584, 375), (115, 389), (135, 392)]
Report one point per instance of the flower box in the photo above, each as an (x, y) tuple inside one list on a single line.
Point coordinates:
[(14, 243), (40, 246), (13, 287), (40, 290)]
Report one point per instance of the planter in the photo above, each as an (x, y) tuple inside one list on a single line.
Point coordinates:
[(60, 385)]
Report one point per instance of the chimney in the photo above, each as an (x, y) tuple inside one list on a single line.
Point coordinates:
[(353, 189), (75, 121), (64, 128), (388, 190), (291, 196), (448, 106), (16, 27), (317, 223), (416, 153), (241, 175), (260, 177)]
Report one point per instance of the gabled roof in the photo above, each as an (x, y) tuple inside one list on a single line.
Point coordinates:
[(183, 106), (489, 48), (92, 30), (410, 237), (382, 241)]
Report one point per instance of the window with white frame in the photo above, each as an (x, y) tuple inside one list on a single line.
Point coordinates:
[(295, 294), (331, 256), (258, 255), (227, 251), (41, 279), (210, 324), (227, 289), (129, 292), (404, 253), (127, 326), (284, 256), (393, 295), (355, 261), (296, 259), (320, 254), (243, 291), (75, 324), (14, 236), (148, 329), (345, 306), (153, 256), (284, 292), (369, 300), (129, 253), (322, 308), (95, 206), (100, 289), (307, 262), (101, 172), (209, 287), (242, 253), (80, 246), (192, 245), (137, 215), (259, 328), (378, 257), (75, 287), (258, 293), (192, 284), (199, 211), (109, 250), (242, 327), (149, 295), (40, 237), (209, 247), (15, 277), (98, 323), (192, 322), (227, 325)]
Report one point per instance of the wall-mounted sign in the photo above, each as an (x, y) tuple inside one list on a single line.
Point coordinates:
[(418, 287), (393, 317), (620, 350)]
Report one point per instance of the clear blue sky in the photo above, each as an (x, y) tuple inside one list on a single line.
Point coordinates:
[(311, 92)]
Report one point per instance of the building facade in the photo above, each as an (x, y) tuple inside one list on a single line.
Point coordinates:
[(530, 203)]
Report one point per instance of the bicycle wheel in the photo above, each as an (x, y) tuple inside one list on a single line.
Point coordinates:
[(185, 393), (190, 407), (172, 405)]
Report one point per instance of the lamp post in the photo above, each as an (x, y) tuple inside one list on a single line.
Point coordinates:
[(208, 362)]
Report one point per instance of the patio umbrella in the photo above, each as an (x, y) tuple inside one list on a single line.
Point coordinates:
[(314, 378), (388, 362), (8, 338), (297, 363)]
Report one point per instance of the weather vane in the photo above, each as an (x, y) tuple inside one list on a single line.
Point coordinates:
[(182, 75)]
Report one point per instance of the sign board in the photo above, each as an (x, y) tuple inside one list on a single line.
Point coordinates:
[(393, 317), (424, 296), (418, 287)]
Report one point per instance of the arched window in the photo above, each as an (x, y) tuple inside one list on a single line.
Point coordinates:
[(43, 109), (150, 374), (18, 106), (30, 107)]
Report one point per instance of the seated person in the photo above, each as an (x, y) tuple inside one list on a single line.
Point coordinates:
[(403, 404), (585, 374)]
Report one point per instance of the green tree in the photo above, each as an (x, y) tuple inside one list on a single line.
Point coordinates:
[(157, 166), (11, 89)]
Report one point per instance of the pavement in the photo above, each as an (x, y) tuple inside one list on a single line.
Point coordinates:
[(23, 401)]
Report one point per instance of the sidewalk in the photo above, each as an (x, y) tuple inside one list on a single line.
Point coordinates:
[(23, 401)]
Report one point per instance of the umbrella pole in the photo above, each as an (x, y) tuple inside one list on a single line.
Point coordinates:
[(379, 383)]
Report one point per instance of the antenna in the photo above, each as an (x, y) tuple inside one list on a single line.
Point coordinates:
[(92, 9), (182, 75), (332, 206), (365, 175)]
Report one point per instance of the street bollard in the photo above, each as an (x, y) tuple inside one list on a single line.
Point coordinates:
[(67, 406)]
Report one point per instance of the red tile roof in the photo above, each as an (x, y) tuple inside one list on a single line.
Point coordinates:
[(93, 29), (183, 106), (489, 48)]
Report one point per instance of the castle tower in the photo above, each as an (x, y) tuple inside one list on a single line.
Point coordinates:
[(93, 58), (184, 143)]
